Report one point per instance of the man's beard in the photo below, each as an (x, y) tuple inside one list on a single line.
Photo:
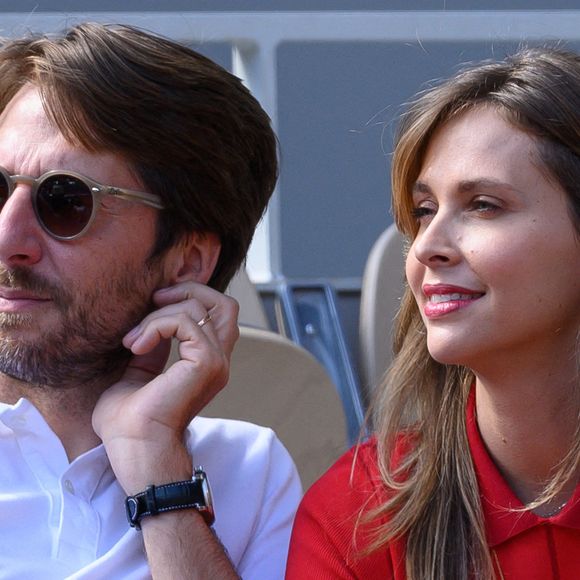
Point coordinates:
[(86, 346)]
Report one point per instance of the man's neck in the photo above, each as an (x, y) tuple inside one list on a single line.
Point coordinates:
[(68, 410)]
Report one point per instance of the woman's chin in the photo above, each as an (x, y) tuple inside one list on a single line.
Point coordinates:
[(449, 354)]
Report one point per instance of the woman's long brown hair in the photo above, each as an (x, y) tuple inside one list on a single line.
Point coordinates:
[(435, 500)]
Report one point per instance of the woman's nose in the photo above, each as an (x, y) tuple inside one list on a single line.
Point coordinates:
[(436, 244)]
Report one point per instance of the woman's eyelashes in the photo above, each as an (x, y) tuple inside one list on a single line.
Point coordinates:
[(421, 212), (424, 211), (484, 207)]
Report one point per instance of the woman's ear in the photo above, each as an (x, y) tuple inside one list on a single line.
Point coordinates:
[(195, 257)]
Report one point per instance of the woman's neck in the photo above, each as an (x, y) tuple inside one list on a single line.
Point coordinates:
[(527, 420)]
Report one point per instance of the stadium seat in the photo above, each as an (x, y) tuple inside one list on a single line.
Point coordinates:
[(278, 384), (382, 288), (252, 311)]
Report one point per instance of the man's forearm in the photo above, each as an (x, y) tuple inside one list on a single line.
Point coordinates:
[(181, 545)]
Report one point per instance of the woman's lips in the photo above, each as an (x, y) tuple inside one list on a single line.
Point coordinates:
[(444, 299)]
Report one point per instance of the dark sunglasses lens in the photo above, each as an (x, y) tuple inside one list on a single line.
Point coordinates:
[(4, 189), (64, 205)]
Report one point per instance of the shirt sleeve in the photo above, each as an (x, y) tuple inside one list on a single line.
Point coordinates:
[(281, 490), (256, 490), (331, 530)]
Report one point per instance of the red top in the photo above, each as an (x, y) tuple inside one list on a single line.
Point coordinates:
[(327, 543)]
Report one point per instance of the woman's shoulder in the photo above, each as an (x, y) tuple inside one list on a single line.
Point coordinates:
[(333, 527), (354, 474)]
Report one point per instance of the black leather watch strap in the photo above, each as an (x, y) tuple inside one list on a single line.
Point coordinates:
[(156, 499)]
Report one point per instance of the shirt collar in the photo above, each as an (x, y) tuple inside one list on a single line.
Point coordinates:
[(20, 417), (498, 500), (39, 444)]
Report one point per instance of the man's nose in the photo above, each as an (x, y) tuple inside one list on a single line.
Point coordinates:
[(20, 232)]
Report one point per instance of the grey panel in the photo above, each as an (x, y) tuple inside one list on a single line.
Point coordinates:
[(220, 52), (338, 104), (271, 5)]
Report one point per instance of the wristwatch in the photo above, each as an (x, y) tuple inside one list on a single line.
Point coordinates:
[(156, 499)]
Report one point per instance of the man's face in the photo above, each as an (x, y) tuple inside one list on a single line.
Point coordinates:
[(65, 305)]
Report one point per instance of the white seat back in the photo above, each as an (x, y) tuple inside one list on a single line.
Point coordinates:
[(382, 288), (252, 311), (278, 384)]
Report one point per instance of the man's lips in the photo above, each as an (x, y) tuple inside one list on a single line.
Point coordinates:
[(18, 294), (443, 299), (15, 300)]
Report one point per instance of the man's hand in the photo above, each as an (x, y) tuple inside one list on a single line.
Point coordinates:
[(142, 418)]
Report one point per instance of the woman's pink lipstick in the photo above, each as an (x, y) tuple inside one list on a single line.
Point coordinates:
[(444, 299)]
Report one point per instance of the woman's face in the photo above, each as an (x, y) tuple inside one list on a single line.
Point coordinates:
[(495, 266)]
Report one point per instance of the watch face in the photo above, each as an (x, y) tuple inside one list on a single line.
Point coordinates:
[(206, 491), (132, 508), (205, 510)]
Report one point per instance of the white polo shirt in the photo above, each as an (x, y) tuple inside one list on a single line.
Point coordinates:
[(67, 520)]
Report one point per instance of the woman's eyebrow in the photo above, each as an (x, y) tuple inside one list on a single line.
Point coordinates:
[(468, 185), (420, 187), (484, 183)]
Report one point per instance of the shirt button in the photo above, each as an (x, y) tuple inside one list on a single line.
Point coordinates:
[(69, 486)]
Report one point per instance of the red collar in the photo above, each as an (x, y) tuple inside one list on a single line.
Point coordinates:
[(497, 497)]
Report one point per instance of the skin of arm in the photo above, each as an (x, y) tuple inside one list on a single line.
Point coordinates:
[(142, 419), (184, 547)]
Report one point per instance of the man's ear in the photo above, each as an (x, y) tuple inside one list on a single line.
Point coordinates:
[(195, 257)]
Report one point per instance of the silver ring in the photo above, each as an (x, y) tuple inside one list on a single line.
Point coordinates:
[(204, 320)]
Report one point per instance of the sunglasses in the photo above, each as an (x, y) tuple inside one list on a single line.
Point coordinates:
[(65, 202)]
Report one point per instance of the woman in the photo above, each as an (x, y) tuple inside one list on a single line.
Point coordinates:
[(474, 469)]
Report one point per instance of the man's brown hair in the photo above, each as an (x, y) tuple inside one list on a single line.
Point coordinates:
[(190, 130)]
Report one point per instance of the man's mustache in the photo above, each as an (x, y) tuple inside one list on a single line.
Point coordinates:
[(25, 279)]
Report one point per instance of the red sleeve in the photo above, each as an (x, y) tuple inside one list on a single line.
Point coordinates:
[(329, 536)]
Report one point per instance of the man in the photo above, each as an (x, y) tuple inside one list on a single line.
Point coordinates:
[(132, 174)]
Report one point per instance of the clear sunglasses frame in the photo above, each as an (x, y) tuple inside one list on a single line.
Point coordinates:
[(97, 190)]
